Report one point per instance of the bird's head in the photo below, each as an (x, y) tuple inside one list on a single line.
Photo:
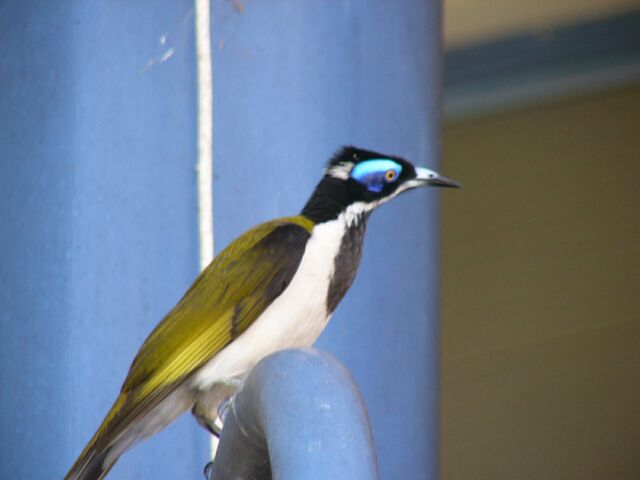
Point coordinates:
[(358, 181)]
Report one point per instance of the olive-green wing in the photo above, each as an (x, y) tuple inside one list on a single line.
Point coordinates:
[(226, 298)]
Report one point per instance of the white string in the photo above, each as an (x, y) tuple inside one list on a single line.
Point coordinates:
[(205, 131), (205, 141)]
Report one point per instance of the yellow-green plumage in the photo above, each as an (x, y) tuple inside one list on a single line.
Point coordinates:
[(226, 298), (275, 287)]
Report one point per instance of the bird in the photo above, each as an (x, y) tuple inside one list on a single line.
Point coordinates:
[(274, 287)]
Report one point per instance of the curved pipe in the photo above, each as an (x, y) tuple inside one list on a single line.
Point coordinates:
[(298, 415)]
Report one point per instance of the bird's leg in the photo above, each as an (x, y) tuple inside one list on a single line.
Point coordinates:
[(211, 406), (223, 409), (211, 410)]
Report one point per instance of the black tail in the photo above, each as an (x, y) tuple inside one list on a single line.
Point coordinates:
[(92, 465)]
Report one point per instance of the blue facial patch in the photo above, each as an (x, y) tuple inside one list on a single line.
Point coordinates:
[(376, 173)]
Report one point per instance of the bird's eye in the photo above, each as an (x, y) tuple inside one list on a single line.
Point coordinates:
[(390, 175)]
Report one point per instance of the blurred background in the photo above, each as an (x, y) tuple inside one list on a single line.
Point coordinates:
[(540, 325)]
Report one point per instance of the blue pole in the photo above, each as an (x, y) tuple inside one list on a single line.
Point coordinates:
[(98, 214), (98, 227), (298, 415), (292, 82)]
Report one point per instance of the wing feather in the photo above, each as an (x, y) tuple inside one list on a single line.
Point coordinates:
[(225, 299), (249, 273)]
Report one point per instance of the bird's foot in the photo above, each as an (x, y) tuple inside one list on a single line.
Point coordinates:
[(215, 428), (218, 423), (211, 407)]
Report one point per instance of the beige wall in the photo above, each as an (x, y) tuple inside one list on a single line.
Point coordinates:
[(477, 21), (541, 293)]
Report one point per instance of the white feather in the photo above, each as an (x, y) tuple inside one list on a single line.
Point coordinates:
[(295, 319), (340, 171)]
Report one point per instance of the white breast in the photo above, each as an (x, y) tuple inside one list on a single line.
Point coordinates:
[(295, 319)]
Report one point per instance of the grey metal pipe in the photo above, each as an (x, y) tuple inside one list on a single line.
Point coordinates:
[(298, 415)]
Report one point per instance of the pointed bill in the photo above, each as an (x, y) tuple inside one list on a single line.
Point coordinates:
[(434, 179)]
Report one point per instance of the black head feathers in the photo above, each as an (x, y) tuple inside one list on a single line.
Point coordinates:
[(356, 181)]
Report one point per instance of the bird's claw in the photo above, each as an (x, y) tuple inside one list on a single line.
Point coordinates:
[(208, 471), (218, 424)]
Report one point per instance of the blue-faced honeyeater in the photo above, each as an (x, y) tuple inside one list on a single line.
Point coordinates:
[(274, 287)]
